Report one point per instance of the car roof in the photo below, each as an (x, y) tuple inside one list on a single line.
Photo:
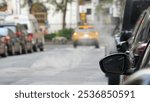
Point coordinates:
[(85, 26)]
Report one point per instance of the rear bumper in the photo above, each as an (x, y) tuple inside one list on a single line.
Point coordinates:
[(86, 42)]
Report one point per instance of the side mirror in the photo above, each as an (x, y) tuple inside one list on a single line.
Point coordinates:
[(115, 64), (25, 26)]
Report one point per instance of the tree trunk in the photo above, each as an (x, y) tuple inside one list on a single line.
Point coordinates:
[(64, 14), (64, 20)]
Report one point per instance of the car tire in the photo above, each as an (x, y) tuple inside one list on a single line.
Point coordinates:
[(75, 45), (35, 48), (5, 54), (96, 45), (31, 48), (24, 51), (19, 50), (42, 48), (12, 52)]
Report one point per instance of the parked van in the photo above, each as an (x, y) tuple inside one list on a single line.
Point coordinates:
[(31, 24)]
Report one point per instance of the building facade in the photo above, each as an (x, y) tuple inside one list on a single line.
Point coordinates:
[(54, 19), (88, 7)]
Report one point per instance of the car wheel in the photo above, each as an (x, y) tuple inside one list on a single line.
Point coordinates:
[(12, 52), (74, 45), (96, 45), (31, 48), (42, 48), (5, 54), (20, 49), (35, 48), (24, 51)]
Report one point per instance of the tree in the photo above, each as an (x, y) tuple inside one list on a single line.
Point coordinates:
[(62, 7)]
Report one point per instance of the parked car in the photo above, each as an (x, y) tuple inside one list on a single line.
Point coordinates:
[(34, 33), (132, 21), (21, 32), (141, 77), (136, 45), (121, 64), (85, 35), (3, 39), (11, 42)]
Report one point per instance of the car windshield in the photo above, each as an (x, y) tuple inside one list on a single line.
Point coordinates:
[(13, 28), (3, 31), (85, 30)]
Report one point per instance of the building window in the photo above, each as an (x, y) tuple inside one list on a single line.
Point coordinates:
[(89, 11)]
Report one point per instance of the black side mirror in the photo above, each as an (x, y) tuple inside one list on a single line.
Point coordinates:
[(25, 26), (115, 64)]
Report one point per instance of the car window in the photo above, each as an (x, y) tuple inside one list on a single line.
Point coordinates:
[(141, 33), (144, 34), (11, 33), (138, 23), (145, 59), (141, 29), (145, 62), (13, 28), (3, 31)]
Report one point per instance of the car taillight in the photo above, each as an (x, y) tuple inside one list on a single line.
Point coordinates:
[(18, 33), (30, 37), (6, 39)]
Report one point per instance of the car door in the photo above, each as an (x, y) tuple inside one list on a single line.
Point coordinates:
[(138, 46), (145, 59), (140, 38)]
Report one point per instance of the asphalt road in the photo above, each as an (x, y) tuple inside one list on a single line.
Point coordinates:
[(58, 64)]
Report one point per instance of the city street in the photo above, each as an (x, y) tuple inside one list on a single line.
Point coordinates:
[(58, 64)]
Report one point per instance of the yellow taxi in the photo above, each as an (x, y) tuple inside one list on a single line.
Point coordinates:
[(85, 35)]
